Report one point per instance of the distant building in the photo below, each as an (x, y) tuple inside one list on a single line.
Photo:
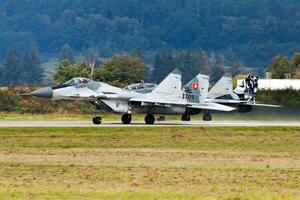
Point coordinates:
[(278, 84)]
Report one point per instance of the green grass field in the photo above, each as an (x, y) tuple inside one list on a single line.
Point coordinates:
[(150, 163)]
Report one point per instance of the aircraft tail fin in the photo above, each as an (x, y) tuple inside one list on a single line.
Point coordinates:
[(196, 90), (247, 89), (171, 85), (222, 88)]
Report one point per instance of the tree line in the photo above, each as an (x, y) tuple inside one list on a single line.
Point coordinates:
[(21, 68), (127, 69), (282, 67), (119, 70), (192, 62), (25, 68)]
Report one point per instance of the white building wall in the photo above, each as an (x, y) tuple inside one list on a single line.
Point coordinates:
[(277, 84)]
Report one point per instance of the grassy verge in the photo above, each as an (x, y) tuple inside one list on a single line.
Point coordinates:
[(150, 163)]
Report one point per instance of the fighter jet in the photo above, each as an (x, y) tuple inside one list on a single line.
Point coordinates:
[(168, 98), (243, 96)]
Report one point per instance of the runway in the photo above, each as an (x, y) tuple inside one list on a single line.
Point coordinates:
[(4, 124)]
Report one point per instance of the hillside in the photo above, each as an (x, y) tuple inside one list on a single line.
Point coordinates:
[(252, 31)]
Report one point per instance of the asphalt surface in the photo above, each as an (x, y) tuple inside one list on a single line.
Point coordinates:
[(142, 124)]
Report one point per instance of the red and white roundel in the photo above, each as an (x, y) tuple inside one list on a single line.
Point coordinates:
[(195, 85)]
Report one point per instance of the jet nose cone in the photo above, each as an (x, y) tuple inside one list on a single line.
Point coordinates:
[(46, 92)]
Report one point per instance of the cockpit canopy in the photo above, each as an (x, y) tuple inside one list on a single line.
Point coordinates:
[(137, 86), (77, 80), (141, 87)]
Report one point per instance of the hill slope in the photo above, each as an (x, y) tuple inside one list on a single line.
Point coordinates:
[(252, 30)]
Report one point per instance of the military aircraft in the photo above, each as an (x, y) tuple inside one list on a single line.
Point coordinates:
[(168, 98), (242, 97)]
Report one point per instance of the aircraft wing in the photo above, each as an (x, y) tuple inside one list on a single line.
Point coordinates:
[(157, 101), (213, 106), (229, 101), (204, 106)]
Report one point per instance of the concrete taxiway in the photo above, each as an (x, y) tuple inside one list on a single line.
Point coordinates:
[(142, 124)]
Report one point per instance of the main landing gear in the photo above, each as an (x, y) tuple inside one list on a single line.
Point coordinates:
[(186, 117), (149, 119), (126, 118), (97, 120), (207, 116)]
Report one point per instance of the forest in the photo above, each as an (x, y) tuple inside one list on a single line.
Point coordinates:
[(251, 31)]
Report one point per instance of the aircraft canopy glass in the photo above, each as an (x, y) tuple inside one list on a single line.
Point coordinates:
[(76, 81), (138, 86)]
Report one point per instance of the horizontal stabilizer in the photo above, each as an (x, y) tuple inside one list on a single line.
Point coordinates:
[(241, 102), (264, 105)]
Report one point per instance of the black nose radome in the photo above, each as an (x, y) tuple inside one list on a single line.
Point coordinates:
[(46, 92)]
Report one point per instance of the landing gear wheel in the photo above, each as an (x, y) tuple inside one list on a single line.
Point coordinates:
[(161, 118), (207, 116), (186, 117), (149, 119), (97, 120), (126, 118)]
